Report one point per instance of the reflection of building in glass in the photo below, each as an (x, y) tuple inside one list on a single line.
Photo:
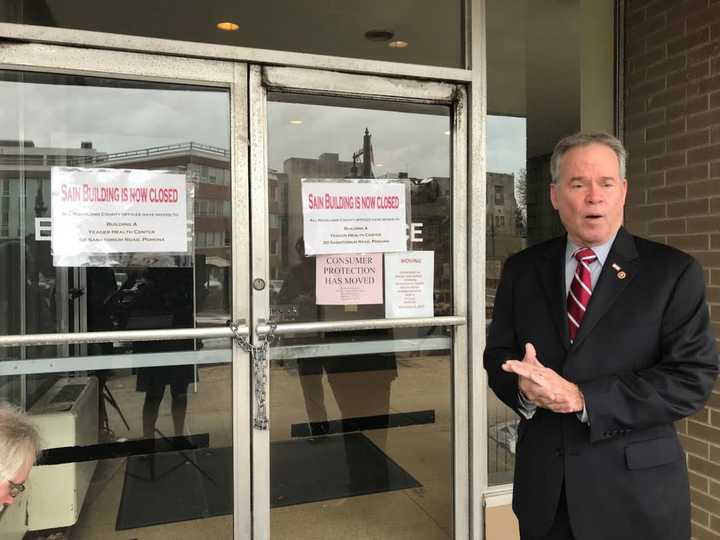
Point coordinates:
[(542, 219), (504, 222), (328, 165), (277, 221), (209, 167), (22, 164)]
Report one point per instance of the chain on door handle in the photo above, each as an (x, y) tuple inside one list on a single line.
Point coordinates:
[(259, 357)]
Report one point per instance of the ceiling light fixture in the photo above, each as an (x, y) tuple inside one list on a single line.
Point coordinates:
[(296, 122), (379, 35), (398, 44), (447, 133), (227, 26)]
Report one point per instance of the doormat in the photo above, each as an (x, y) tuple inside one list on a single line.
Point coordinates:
[(197, 484)]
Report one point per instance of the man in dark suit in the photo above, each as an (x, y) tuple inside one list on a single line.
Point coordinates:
[(600, 340)]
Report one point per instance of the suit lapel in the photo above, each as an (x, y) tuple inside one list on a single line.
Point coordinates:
[(551, 270), (611, 282)]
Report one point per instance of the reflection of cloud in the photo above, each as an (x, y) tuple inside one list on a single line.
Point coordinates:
[(401, 141), (113, 119), (506, 144)]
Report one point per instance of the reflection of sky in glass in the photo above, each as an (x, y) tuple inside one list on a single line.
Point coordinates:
[(113, 119), (407, 142), (506, 144)]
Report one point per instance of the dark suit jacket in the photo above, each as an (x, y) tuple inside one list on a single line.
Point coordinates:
[(644, 357)]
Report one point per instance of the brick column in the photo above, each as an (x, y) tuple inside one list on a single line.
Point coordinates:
[(672, 131)]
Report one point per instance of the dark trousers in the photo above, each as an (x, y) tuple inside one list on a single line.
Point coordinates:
[(560, 529)]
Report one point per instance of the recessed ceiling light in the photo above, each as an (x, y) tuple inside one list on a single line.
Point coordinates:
[(398, 44), (379, 35), (227, 26), (296, 122)]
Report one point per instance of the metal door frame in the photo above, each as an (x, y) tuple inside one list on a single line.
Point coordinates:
[(330, 83), (35, 57)]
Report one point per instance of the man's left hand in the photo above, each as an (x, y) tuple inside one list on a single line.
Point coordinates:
[(547, 389)]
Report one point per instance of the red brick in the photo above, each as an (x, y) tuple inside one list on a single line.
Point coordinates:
[(714, 453), (659, 7), (703, 189), (661, 69), (690, 74), (699, 516), (635, 166), (713, 295), (715, 100), (715, 279), (646, 59), (704, 154), (697, 481), (702, 120), (703, 224), (667, 33), (646, 213), (715, 134), (651, 25), (668, 161), (693, 242), (645, 119), (646, 181), (705, 17), (705, 502), (708, 85), (650, 149), (703, 466), (667, 226), (701, 533), (683, 142), (703, 53), (715, 65), (709, 259), (690, 106), (672, 193), (646, 89), (663, 130), (688, 42), (687, 174), (715, 206), (667, 97), (714, 170), (633, 18)]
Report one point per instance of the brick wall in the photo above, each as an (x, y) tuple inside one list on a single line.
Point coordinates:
[(672, 131)]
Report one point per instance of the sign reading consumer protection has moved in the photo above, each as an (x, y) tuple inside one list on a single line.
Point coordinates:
[(117, 211), (354, 216)]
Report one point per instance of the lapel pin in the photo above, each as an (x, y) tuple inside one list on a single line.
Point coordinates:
[(621, 275), (615, 267)]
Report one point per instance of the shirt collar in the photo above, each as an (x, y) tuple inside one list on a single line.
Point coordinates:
[(601, 252)]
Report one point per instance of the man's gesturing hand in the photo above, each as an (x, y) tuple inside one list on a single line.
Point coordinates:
[(542, 386)]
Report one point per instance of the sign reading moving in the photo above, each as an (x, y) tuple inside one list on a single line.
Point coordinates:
[(117, 211), (354, 217)]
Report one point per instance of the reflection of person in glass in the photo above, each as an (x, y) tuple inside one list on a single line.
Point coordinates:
[(159, 298), (361, 383)]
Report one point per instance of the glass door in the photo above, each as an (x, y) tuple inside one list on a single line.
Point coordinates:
[(358, 265), (123, 254)]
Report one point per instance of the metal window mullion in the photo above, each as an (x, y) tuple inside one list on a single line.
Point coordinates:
[(460, 390), (259, 299), (477, 266), (242, 459)]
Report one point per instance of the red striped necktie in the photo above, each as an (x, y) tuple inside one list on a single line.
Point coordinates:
[(580, 290)]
